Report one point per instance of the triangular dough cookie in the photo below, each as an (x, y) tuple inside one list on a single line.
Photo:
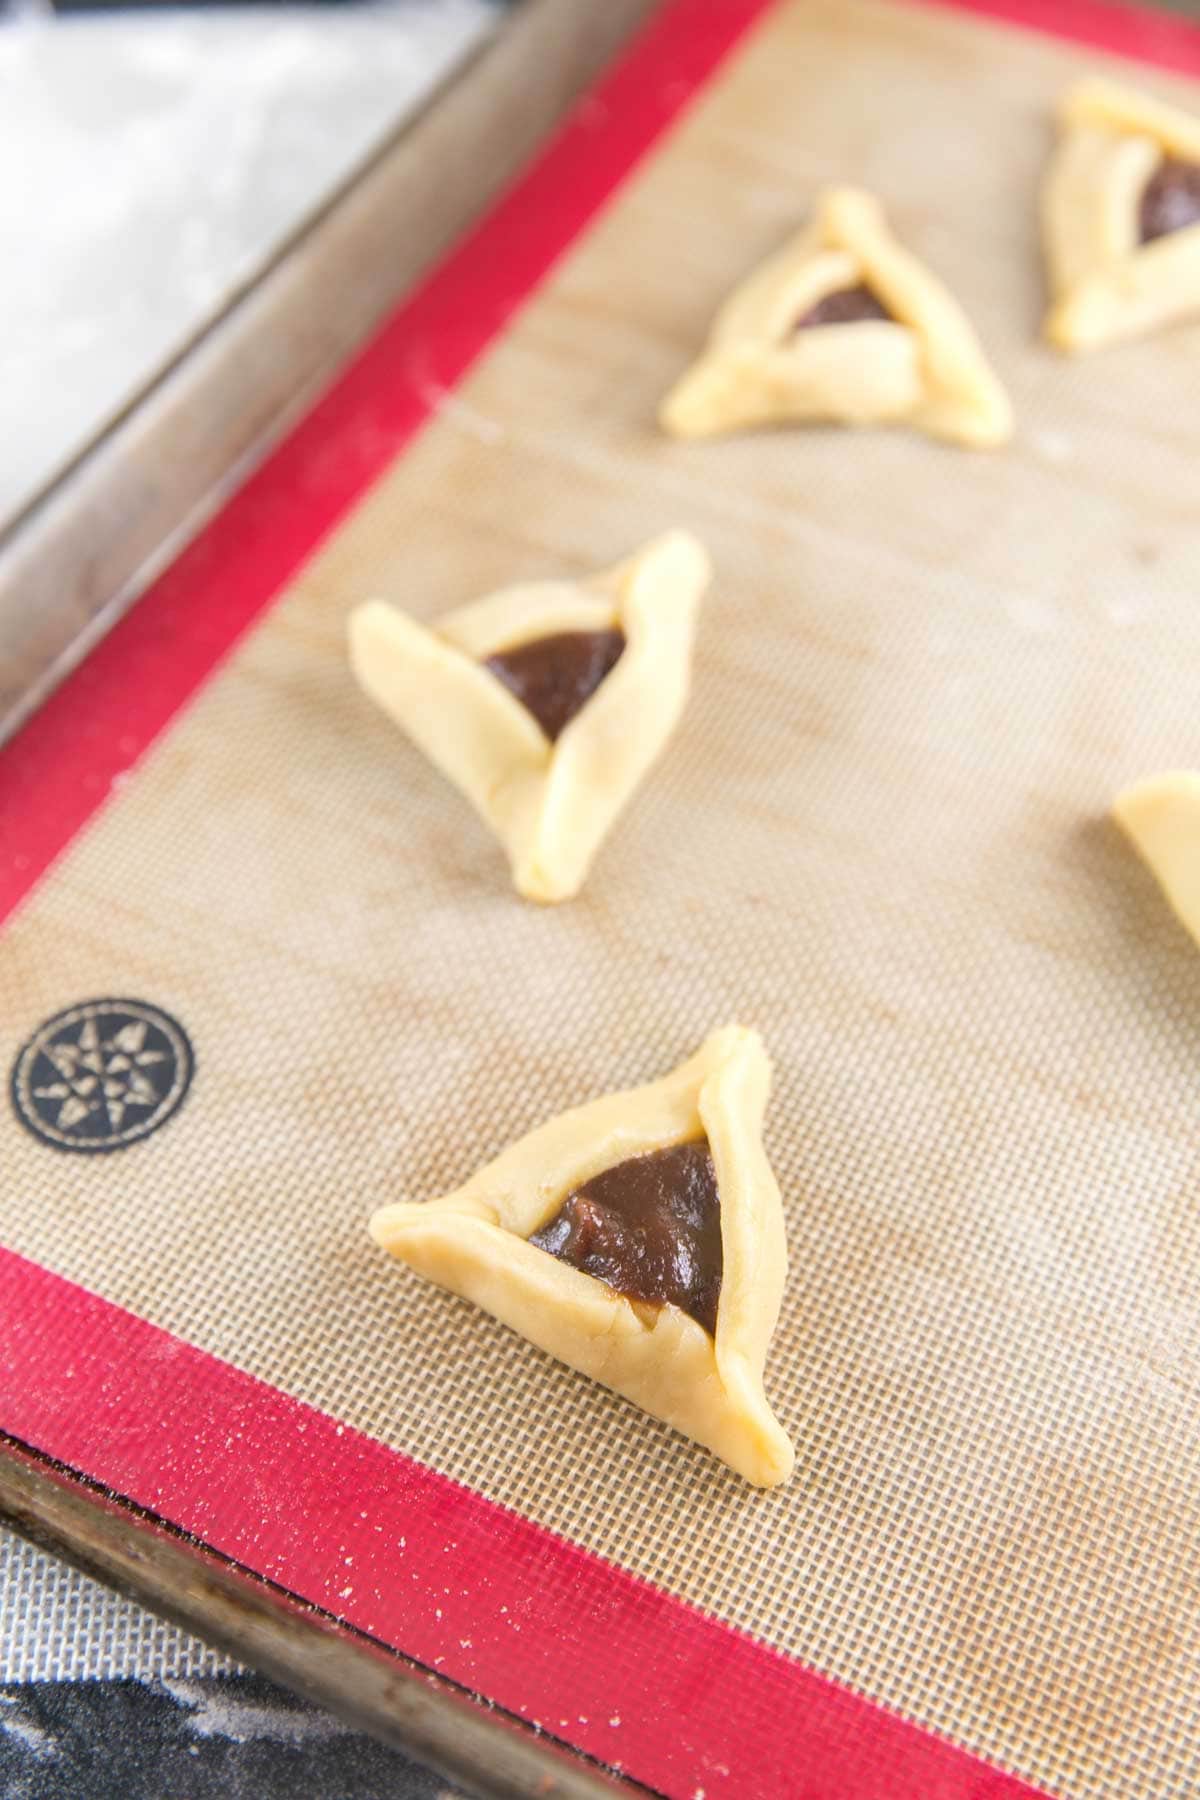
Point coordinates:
[(1116, 190), (475, 1242), (1162, 817), (912, 357), (550, 799)]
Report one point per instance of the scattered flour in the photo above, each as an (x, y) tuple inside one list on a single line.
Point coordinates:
[(14, 1723), (216, 1714)]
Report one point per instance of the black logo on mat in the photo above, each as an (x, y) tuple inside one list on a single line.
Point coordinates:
[(101, 1075)]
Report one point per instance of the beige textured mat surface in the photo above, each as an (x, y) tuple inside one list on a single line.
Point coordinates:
[(878, 837)]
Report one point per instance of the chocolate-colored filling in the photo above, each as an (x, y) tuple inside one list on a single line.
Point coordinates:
[(553, 676), (846, 307), (650, 1227), (1170, 199)]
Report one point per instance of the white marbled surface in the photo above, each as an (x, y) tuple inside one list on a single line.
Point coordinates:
[(152, 160)]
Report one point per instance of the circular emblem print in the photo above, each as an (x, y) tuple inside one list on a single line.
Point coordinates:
[(102, 1075)]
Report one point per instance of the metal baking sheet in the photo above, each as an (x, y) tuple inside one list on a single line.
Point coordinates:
[(879, 836)]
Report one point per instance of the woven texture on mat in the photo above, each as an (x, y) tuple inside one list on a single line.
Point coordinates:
[(878, 836), (58, 1625)]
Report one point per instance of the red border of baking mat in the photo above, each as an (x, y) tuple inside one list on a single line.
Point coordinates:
[(598, 1657)]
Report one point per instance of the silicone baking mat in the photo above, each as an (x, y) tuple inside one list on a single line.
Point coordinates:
[(878, 836)]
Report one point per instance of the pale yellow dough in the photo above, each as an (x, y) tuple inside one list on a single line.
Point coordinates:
[(1162, 817), (474, 1243), (551, 805), (922, 367), (1105, 284)]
